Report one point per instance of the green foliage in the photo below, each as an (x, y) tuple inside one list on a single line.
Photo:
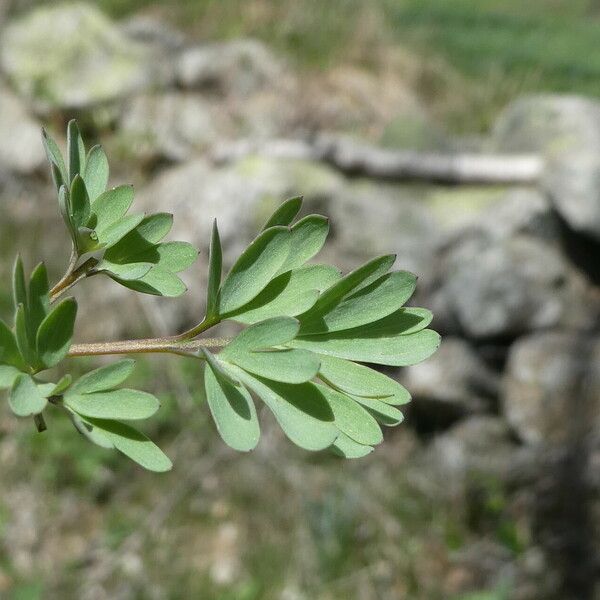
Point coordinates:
[(306, 326)]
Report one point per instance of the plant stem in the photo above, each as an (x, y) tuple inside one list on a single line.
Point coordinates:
[(195, 331), (145, 346), (71, 277), (40, 423)]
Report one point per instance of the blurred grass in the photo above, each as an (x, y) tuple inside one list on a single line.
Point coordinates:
[(501, 47)]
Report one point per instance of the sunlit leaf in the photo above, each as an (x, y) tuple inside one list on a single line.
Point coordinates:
[(301, 410), (80, 202), (19, 285), (307, 238), (38, 300), (55, 333), (289, 294), (25, 398), (232, 409), (112, 205), (261, 336), (59, 173), (333, 295), (253, 270), (96, 172), (75, 150), (123, 404), (9, 350), (104, 378), (346, 447), (215, 268), (351, 418), (371, 303), (358, 380), (133, 444), (62, 385), (396, 351), (384, 413), (8, 375), (113, 233), (158, 282), (285, 213)]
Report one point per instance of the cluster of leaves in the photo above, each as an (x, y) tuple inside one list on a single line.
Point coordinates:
[(98, 222), (306, 326), (307, 329)]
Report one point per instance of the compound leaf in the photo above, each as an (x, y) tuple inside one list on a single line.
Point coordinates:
[(116, 231), (156, 281)]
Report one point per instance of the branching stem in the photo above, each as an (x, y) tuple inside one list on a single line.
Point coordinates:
[(145, 346), (72, 276)]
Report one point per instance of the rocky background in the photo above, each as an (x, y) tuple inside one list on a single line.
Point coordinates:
[(491, 489)]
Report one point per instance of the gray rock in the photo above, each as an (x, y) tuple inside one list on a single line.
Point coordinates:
[(369, 219), (566, 130), (503, 288), (241, 67), (454, 380), (154, 33), (71, 56), (172, 126), (21, 150), (552, 387)]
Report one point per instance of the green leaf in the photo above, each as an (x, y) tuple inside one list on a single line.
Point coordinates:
[(358, 380), (8, 375), (25, 398), (351, 418), (39, 301), (287, 365), (261, 336), (333, 295), (116, 231), (27, 351), (171, 256), (80, 203), (289, 294), (371, 303), (75, 150), (9, 351), (286, 213), (64, 206), (59, 174), (307, 238), (301, 410), (63, 384), (91, 433), (253, 270), (104, 378), (215, 268), (112, 205), (232, 409), (346, 447), (396, 351), (382, 411), (55, 333), (96, 172), (158, 282), (19, 286), (45, 389), (126, 272), (133, 444), (123, 404)]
